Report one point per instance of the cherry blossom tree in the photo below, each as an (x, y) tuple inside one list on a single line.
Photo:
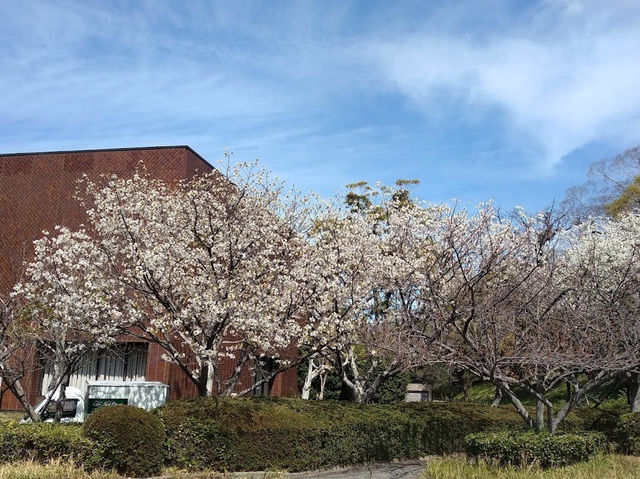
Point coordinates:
[(603, 268), (211, 269), (367, 250), (519, 300), (16, 348), (489, 289), (73, 307)]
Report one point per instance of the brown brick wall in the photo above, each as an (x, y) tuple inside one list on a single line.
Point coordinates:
[(37, 193), (37, 190)]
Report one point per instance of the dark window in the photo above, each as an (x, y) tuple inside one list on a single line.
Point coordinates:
[(263, 369), (69, 407)]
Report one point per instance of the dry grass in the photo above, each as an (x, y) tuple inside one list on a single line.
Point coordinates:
[(601, 467), (57, 469), (52, 470), (453, 467)]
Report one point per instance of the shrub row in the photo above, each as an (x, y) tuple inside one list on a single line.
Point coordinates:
[(254, 434), (260, 433), (628, 433), (125, 438), (525, 448), (42, 442)]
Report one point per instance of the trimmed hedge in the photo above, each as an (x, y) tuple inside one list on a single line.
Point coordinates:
[(520, 449), (259, 433), (131, 439), (263, 433), (42, 442), (628, 433)]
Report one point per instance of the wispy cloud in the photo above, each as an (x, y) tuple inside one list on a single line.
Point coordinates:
[(563, 74), (471, 97)]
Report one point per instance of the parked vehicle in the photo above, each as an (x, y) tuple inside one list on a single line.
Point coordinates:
[(78, 405)]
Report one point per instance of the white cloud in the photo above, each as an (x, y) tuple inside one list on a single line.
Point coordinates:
[(566, 76)]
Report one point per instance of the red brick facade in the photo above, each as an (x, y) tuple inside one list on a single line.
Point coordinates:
[(37, 193)]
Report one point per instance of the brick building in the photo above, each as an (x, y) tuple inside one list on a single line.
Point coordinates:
[(36, 194)]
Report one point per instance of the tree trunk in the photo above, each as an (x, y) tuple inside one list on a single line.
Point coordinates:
[(352, 385), (356, 390), (61, 399), (18, 391), (323, 382), (578, 393), (308, 380), (524, 414), (539, 415), (497, 397), (203, 381), (634, 392)]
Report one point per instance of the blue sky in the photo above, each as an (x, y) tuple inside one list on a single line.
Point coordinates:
[(477, 99)]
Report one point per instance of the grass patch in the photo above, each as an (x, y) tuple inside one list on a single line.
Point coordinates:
[(483, 393), (56, 469), (601, 467)]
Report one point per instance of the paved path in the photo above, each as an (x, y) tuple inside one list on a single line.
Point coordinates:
[(394, 470), (404, 470)]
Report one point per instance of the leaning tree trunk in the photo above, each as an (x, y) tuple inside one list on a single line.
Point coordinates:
[(497, 397), (634, 392), (15, 386), (61, 399)]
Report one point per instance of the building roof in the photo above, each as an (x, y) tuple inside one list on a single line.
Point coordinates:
[(105, 150)]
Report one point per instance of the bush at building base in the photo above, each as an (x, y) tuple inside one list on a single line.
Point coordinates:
[(131, 440)]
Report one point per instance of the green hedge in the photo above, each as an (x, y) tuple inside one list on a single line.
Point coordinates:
[(605, 420), (628, 433), (263, 433), (131, 439), (525, 448), (257, 434), (43, 441)]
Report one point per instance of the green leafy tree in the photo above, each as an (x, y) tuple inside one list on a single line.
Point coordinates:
[(629, 199)]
